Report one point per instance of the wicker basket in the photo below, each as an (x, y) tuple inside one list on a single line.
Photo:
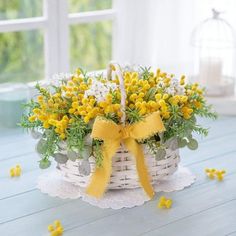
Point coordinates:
[(124, 175)]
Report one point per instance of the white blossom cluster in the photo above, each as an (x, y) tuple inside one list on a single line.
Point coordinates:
[(174, 89), (100, 90)]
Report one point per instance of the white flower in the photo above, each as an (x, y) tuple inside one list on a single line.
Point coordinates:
[(170, 90), (100, 90), (180, 90), (175, 88)]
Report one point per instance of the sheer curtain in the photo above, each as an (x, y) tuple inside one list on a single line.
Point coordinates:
[(157, 32)]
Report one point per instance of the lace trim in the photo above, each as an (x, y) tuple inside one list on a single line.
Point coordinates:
[(53, 184)]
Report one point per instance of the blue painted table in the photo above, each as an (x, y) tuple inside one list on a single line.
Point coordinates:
[(207, 208)]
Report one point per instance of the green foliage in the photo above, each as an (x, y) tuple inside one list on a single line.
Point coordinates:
[(97, 152), (76, 134), (150, 95), (42, 91), (183, 128), (112, 116), (145, 72), (28, 108), (51, 142), (133, 115)]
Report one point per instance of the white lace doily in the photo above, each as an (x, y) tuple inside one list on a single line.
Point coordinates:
[(53, 184)]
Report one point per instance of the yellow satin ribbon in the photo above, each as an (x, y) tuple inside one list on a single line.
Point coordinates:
[(112, 136)]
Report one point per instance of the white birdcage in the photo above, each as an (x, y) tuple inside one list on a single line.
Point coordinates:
[(214, 41)]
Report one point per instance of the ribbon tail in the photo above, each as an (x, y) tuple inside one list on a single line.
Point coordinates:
[(101, 177), (141, 167)]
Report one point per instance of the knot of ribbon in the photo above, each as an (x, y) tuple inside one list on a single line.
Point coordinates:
[(112, 136), (125, 131)]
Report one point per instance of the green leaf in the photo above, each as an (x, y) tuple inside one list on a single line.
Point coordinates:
[(44, 163), (150, 95), (41, 146), (86, 152), (72, 155), (193, 144), (160, 155), (182, 142), (60, 158), (172, 143)]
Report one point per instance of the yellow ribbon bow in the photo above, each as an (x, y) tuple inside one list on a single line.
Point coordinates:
[(112, 136)]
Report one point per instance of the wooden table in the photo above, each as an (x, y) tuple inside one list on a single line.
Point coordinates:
[(206, 208)]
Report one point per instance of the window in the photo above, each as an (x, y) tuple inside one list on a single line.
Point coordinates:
[(43, 37)]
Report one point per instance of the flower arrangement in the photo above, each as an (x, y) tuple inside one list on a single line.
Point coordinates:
[(66, 113)]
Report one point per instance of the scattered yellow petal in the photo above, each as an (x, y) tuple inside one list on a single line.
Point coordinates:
[(164, 203)]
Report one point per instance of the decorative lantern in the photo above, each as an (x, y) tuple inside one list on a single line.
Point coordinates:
[(214, 40)]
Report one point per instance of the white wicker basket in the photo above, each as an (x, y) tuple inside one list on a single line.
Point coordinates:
[(124, 175)]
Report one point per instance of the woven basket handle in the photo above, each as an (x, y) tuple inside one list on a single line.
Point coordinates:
[(114, 68)]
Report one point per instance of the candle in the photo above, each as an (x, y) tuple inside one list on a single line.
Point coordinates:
[(210, 71)]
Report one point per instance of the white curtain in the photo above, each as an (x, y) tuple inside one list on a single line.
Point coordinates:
[(157, 32)]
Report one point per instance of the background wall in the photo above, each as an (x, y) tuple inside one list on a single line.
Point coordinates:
[(157, 32)]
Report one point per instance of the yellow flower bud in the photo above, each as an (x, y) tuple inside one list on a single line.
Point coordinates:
[(32, 118), (46, 125), (158, 96), (165, 96), (40, 98), (86, 119), (162, 102), (62, 136), (71, 110), (50, 228), (141, 95)]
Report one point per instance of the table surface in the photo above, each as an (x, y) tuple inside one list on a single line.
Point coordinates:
[(206, 208)]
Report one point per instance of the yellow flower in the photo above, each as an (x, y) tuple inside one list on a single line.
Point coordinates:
[(133, 97), (74, 99), (117, 107), (142, 111), (158, 96), (165, 114), (62, 136), (56, 229), (158, 72), (75, 104), (46, 125), (15, 171), (153, 104), (182, 80), (71, 110), (86, 119), (32, 118), (183, 99), (141, 95), (146, 86), (197, 104), (165, 96), (40, 98), (186, 112), (162, 103), (164, 203), (83, 113), (36, 111)]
